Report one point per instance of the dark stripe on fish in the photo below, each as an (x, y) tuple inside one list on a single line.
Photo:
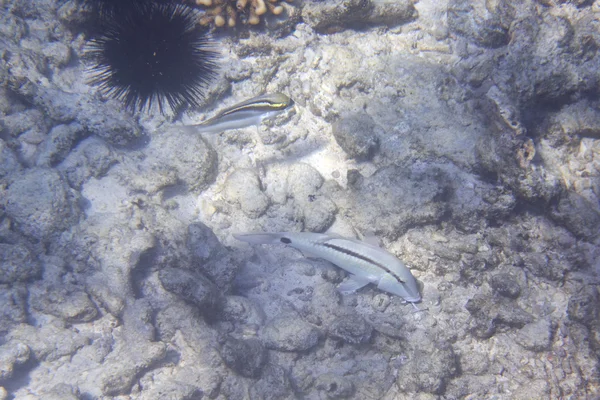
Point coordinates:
[(360, 256)]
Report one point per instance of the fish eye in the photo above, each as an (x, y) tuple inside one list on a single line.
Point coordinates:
[(285, 240)]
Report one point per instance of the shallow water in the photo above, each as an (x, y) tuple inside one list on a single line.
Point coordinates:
[(462, 134)]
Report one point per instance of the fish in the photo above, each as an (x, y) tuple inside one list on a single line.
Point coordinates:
[(247, 113), (365, 262)]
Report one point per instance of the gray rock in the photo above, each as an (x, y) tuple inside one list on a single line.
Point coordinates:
[(20, 122), (335, 387), (583, 306), (242, 310), (13, 27), (91, 158), (536, 336), (495, 313), (547, 265), (193, 159), (58, 54), (356, 135), (127, 362), (72, 15), (336, 15), (273, 385), (62, 391), (581, 119), (246, 357), (243, 187), (428, 370), (482, 22), (391, 13), (18, 264), (202, 242), (578, 215), (210, 256), (138, 320), (313, 207), (12, 354), (351, 329), (505, 285), (9, 163), (63, 301), (41, 203), (190, 286), (318, 213), (58, 143), (396, 197), (303, 180), (14, 306), (49, 342), (289, 333), (107, 120)]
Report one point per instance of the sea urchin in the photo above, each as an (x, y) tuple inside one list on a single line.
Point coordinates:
[(154, 55)]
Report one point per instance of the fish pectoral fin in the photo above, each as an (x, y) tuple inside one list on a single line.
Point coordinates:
[(352, 284)]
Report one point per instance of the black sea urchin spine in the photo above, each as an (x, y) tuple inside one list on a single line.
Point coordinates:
[(153, 55)]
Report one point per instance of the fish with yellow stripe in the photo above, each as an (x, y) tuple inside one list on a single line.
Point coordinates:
[(247, 113)]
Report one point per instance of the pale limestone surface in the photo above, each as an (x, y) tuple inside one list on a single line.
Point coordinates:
[(485, 182)]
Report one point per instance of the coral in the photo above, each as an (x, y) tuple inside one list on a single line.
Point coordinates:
[(230, 12)]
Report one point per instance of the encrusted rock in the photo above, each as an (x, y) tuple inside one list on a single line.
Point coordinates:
[(12, 354), (190, 286), (335, 15), (62, 391), (67, 302), (242, 310), (14, 306), (91, 158), (9, 163), (506, 285), (243, 187), (289, 333), (274, 382), (397, 197), (210, 256), (311, 204), (246, 357), (482, 22), (41, 203), (334, 386), (428, 370), (351, 329), (495, 313), (536, 336), (356, 135), (202, 242), (583, 306), (195, 162), (578, 214), (59, 141), (17, 263)]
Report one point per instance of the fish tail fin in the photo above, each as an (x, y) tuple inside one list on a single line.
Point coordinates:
[(260, 238)]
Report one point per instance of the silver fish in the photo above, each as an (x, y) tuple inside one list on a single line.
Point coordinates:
[(247, 113), (366, 263)]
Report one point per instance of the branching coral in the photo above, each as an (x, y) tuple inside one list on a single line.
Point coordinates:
[(230, 12)]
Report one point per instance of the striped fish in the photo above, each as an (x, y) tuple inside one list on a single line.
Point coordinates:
[(366, 263), (247, 113)]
